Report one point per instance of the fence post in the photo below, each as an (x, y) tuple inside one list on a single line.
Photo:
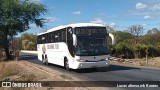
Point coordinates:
[(146, 51)]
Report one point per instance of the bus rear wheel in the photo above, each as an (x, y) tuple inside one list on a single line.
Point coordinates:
[(66, 64), (44, 59)]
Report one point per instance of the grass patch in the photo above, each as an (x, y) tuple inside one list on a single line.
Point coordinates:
[(8, 69), (50, 88), (65, 77), (142, 63), (152, 62), (13, 71), (15, 88), (27, 77)]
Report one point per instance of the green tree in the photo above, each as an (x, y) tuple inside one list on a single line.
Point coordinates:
[(25, 44), (152, 37), (1, 39), (29, 41), (28, 45), (123, 50), (29, 36), (122, 36), (15, 17), (31, 45)]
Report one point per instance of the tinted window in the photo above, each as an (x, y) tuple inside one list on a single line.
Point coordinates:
[(56, 36)]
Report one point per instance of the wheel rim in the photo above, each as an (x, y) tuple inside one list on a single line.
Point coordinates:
[(43, 61)]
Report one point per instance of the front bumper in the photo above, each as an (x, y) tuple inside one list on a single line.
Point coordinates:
[(80, 65)]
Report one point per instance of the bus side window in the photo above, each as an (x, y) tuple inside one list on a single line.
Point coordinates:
[(49, 37), (43, 38), (46, 38), (52, 37), (63, 35), (55, 36), (59, 36)]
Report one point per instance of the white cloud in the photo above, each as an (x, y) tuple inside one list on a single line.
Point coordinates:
[(112, 25), (77, 13), (145, 24), (147, 17), (141, 6), (115, 25), (156, 7), (50, 19), (98, 21), (35, 1)]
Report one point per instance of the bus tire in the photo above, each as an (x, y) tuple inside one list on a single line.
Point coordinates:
[(46, 60), (66, 64), (43, 59)]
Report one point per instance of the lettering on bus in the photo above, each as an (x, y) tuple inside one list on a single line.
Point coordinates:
[(53, 46), (89, 31)]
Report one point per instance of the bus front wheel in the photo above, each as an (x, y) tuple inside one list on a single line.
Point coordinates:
[(66, 64)]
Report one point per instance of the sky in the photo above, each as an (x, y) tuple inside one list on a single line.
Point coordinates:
[(118, 14)]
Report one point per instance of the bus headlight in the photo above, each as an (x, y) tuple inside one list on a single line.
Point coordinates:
[(107, 59), (79, 60)]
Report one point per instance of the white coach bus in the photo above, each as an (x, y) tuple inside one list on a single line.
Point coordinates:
[(75, 46)]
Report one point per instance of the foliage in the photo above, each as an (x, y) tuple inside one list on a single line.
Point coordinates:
[(148, 44), (151, 38), (122, 50), (1, 39), (30, 37), (28, 41), (15, 17), (122, 36), (28, 45)]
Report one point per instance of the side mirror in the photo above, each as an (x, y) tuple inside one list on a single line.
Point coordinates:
[(113, 39), (74, 40)]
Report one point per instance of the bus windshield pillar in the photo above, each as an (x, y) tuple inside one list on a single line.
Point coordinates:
[(74, 40)]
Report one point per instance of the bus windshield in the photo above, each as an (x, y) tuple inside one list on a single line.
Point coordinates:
[(91, 44)]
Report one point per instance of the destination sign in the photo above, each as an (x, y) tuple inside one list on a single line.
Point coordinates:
[(85, 30)]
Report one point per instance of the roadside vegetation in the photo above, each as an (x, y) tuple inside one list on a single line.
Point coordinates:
[(28, 41), (16, 17), (134, 43), (134, 46)]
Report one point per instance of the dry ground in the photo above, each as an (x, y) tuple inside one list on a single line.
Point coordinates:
[(26, 71), (152, 62)]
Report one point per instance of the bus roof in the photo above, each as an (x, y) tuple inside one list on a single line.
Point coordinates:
[(73, 26)]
